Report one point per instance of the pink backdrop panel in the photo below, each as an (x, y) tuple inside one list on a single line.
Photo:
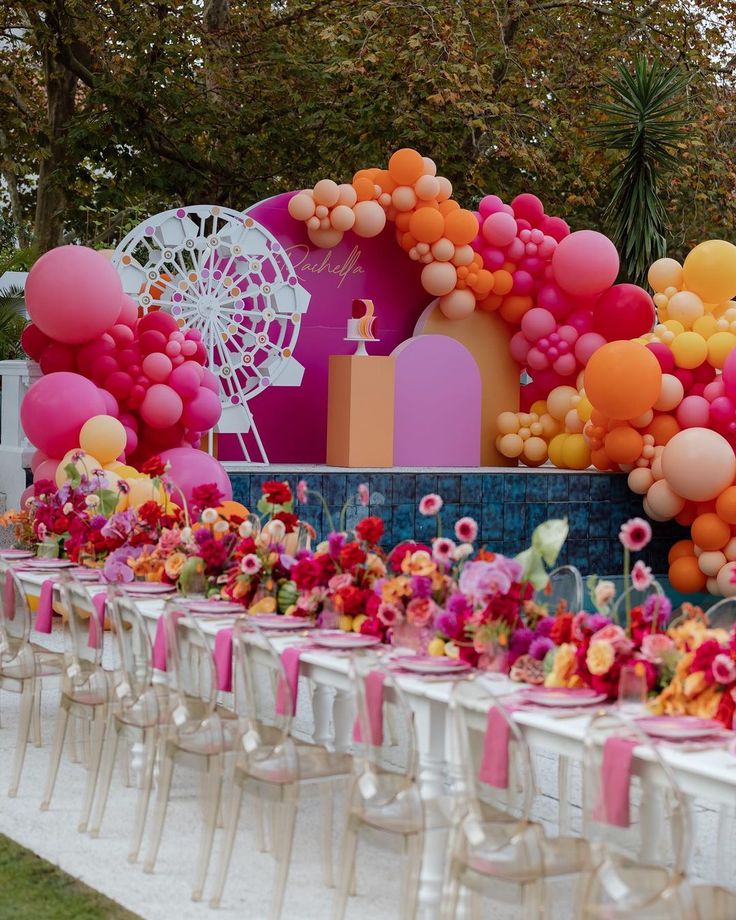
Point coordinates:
[(437, 403), (292, 421)]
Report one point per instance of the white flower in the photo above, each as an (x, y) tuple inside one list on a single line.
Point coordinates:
[(603, 593), (92, 501), (221, 527), (68, 508), (275, 531), (250, 564), (463, 551), (443, 549), (245, 529), (209, 516), (186, 534)]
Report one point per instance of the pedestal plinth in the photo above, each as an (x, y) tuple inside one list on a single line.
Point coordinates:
[(360, 411)]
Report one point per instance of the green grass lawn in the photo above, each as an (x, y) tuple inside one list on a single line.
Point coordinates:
[(33, 889)]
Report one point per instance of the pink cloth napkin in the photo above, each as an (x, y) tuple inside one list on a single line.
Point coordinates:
[(45, 611), (494, 765), (9, 597), (613, 809), (290, 661), (374, 704)]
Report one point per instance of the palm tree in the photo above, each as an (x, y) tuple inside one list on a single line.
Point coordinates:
[(12, 321), (641, 122)]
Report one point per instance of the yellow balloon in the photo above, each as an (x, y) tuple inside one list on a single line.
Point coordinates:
[(84, 464), (685, 307), (585, 409), (710, 270), (555, 449), (103, 436), (665, 273), (705, 326), (689, 349), (115, 466), (143, 490), (674, 326), (720, 346), (539, 407), (576, 452)]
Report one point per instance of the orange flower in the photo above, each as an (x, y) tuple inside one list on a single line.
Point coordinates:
[(174, 564)]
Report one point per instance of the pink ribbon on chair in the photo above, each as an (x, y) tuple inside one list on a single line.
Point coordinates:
[(613, 807), (9, 596), (290, 660), (224, 659), (97, 619), (494, 765), (374, 704), (45, 611)]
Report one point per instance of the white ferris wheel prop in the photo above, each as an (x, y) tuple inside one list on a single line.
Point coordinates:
[(221, 272)]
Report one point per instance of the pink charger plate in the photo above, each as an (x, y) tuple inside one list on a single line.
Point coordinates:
[(678, 728), (143, 588), (431, 664), (335, 638)]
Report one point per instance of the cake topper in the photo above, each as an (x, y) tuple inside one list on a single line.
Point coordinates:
[(361, 326)]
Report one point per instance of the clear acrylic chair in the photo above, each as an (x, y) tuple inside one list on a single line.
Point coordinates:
[(271, 764), (496, 851), (23, 667), (566, 585), (714, 903), (634, 598), (138, 708), (640, 857), (384, 799), (722, 615), (195, 733), (85, 689)]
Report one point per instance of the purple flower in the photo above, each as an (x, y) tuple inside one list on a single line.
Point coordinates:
[(203, 536), (335, 542), (597, 621), (540, 646), (458, 605), (447, 623), (544, 626), (421, 586), (120, 524), (481, 580), (116, 565), (657, 602), (520, 642)]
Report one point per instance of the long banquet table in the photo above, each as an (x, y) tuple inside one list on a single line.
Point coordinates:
[(703, 774)]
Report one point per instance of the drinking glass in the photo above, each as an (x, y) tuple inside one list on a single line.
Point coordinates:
[(632, 689)]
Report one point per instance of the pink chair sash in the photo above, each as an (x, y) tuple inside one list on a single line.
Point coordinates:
[(374, 704), (45, 611), (494, 765), (9, 597), (223, 653), (290, 660), (614, 808), (98, 619)]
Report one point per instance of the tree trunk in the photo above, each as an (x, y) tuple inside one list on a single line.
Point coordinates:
[(53, 174)]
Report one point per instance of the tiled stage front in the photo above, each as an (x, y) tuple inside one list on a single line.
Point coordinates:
[(508, 504)]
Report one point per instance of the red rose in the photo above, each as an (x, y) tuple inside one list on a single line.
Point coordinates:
[(351, 555), (353, 600), (401, 551), (277, 493), (370, 530), (150, 513), (726, 707), (288, 520), (306, 574), (154, 466), (562, 629)]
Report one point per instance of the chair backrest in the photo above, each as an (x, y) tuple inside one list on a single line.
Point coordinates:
[(191, 670), (385, 769), (615, 817), (134, 664), (635, 598), (83, 677), (565, 584), (722, 615), (15, 617)]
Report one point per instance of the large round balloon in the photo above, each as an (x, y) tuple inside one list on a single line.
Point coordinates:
[(585, 263), (623, 379), (710, 271), (698, 464), (624, 311), (104, 437), (191, 468), (73, 294), (55, 408)]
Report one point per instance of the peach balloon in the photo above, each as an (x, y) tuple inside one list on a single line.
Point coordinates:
[(403, 198), (698, 464), (640, 480), (463, 255), (301, 206), (730, 549), (685, 307), (326, 192), (670, 395), (445, 191), (665, 273), (439, 278), (510, 445), (710, 563), (342, 218), (535, 450), (426, 187), (370, 218), (663, 500), (458, 304), (347, 195), (324, 239), (650, 512), (430, 167), (724, 578), (443, 250)]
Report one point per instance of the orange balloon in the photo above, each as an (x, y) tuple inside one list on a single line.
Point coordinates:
[(502, 282), (685, 575), (513, 308), (403, 219), (491, 303), (599, 459), (679, 549), (623, 379), (407, 241), (484, 283), (710, 532), (385, 181), (229, 509), (726, 505), (364, 188), (406, 166), (446, 207), (624, 445), (427, 225), (687, 515), (461, 227), (662, 428)]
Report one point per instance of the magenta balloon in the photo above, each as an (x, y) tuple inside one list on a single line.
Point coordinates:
[(721, 411), (729, 372), (588, 343), (555, 227), (111, 404), (103, 367), (55, 408), (128, 311), (519, 347), (490, 204), (493, 259), (161, 406), (536, 323), (693, 412), (203, 411), (528, 207), (714, 389), (185, 380), (37, 459), (88, 354), (624, 311), (119, 384), (151, 340), (515, 250), (191, 468), (33, 341), (157, 366), (73, 294), (210, 381), (582, 320), (499, 229), (585, 263), (551, 298), (522, 283), (131, 441), (160, 321), (664, 355), (121, 334), (58, 357)]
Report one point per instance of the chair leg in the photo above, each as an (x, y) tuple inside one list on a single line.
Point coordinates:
[(563, 792), (327, 801), (144, 793), (286, 821), (36, 724), (414, 868), (96, 741), (61, 723), (231, 827), (212, 802), (347, 872), (162, 800), (108, 764), (532, 900), (450, 893), (24, 724), (261, 844)]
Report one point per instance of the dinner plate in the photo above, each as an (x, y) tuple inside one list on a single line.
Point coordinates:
[(420, 664), (86, 574), (48, 565), (16, 554), (563, 696), (148, 587), (678, 728), (344, 640), (276, 621), (215, 606)]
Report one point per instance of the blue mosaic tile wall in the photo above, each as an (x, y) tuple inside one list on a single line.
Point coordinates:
[(506, 505)]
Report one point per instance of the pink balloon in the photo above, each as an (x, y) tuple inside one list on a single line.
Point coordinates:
[(25, 495), (536, 323), (33, 341), (721, 411), (555, 227), (528, 207), (103, 367), (157, 367), (493, 259), (128, 311), (161, 406), (582, 320), (565, 365), (160, 321), (151, 340), (729, 373), (46, 470), (55, 408), (499, 229), (131, 441), (664, 355), (523, 283), (57, 357), (588, 343), (185, 380), (119, 384), (203, 411), (122, 334), (37, 459), (88, 354), (519, 347), (129, 421), (551, 298), (585, 263), (210, 381), (515, 251), (73, 294), (111, 404), (714, 389), (191, 468), (693, 412)]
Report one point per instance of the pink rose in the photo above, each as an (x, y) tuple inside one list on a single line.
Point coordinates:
[(420, 611), (338, 582), (724, 669), (615, 636), (654, 646), (389, 615)]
